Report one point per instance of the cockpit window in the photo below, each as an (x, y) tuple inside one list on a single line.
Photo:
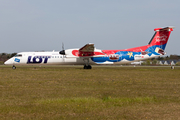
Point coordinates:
[(18, 55)]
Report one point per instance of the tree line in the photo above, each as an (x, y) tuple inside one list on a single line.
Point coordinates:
[(6, 56)]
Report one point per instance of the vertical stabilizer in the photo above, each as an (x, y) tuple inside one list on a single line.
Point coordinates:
[(160, 37)]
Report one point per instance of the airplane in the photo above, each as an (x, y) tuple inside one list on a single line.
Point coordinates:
[(89, 55)]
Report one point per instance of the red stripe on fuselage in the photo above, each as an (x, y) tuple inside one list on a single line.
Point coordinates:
[(108, 52), (84, 54), (136, 49)]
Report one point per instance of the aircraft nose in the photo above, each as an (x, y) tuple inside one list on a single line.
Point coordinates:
[(8, 62)]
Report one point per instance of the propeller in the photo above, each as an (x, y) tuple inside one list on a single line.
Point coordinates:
[(62, 52), (62, 46)]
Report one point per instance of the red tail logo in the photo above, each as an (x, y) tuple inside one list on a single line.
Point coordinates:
[(161, 36)]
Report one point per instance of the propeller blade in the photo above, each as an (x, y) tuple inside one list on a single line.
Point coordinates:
[(62, 46), (62, 52)]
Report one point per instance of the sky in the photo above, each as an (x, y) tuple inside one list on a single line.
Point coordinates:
[(43, 25)]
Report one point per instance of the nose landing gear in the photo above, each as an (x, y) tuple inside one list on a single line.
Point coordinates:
[(13, 67)]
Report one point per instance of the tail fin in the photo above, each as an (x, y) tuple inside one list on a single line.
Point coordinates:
[(160, 37)]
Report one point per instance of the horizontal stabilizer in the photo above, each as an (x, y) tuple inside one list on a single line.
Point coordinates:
[(165, 28)]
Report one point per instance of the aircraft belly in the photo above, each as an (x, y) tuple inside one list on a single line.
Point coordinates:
[(66, 61), (55, 61)]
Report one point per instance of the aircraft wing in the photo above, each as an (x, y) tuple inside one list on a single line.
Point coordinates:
[(87, 48), (89, 51)]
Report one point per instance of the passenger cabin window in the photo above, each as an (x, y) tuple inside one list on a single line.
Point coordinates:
[(18, 55)]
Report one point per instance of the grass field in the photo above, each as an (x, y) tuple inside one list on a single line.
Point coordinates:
[(101, 93)]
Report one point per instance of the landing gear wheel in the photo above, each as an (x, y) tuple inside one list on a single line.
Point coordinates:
[(13, 67), (87, 67)]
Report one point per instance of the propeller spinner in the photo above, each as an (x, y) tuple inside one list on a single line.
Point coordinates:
[(62, 52)]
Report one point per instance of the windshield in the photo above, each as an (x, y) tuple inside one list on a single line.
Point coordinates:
[(18, 55)]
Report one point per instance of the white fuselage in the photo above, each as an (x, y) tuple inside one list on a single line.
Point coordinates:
[(54, 58), (44, 58)]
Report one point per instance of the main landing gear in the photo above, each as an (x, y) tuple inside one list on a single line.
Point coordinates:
[(87, 66), (13, 67)]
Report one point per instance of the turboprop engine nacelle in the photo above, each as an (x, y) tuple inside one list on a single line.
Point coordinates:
[(62, 52), (67, 52)]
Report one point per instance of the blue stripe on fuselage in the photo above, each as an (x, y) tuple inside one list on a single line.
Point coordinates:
[(128, 55), (122, 55)]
